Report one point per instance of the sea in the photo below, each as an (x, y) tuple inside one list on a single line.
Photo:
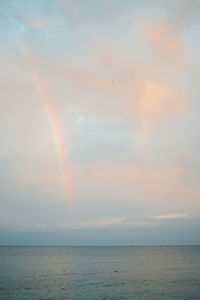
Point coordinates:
[(161, 272)]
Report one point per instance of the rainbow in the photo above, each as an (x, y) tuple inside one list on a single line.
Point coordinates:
[(47, 103)]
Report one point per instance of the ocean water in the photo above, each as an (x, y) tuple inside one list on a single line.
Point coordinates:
[(100, 273)]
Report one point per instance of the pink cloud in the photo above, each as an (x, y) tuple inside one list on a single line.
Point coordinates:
[(155, 183), (166, 42)]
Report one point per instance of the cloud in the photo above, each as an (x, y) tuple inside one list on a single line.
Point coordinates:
[(3, 152), (171, 216), (104, 223), (166, 43), (134, 91), (154, 185), (37, 23), (41, 226), (106, 81), (165, 32)]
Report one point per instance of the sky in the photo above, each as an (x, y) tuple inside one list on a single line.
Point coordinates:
[(99, 122)]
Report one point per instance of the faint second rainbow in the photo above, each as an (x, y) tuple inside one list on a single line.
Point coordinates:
[(47, 102)]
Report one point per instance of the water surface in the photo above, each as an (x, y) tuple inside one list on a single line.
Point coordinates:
[(100, 273)]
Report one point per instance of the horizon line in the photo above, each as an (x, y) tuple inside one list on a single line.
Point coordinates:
[(148, 245)]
